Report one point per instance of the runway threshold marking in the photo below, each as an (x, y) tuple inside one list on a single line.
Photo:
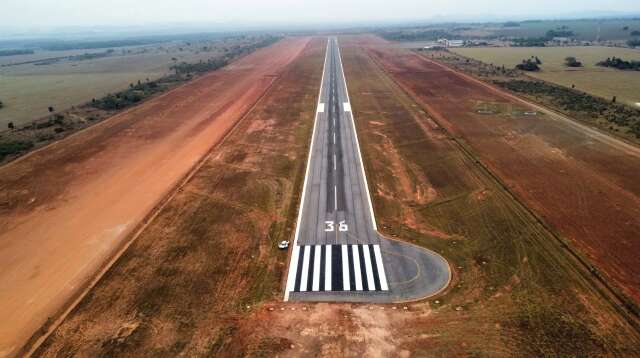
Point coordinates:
[(340, 268)]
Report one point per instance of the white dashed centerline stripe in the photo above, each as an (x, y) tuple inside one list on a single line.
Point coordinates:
[(327, 268), (356, 267), (380, 265), (305, 268), (316, 269), (346, 285), (335, 198), (367, 265)]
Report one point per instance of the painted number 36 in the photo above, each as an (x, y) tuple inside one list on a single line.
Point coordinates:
[(330, 226)]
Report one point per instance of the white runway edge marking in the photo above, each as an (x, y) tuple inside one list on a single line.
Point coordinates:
[(355, 133), (316, 268), (320, 107), (305, 268), (346, 285), (356, 267), (291, 276), (347, 106), (383, 278), (327, 268), (367, 265)]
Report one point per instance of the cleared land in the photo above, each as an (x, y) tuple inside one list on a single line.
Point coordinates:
[(599, 81), (191, 282), (65, 209), (578, 180), (187, 284), (28, 90)]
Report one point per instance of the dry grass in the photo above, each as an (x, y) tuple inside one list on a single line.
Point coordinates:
[(599, 81), (190, 282)]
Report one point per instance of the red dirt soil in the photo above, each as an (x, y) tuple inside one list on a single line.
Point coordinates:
[(582, 182), (66, 209)]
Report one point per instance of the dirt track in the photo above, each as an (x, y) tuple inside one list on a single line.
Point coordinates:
[(66, 208), (580, 181)]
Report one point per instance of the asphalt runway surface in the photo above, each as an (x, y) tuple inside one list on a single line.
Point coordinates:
[(338, 254)]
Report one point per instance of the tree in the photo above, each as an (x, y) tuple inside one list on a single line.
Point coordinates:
[(51, 109), (11, 125), (572, 62), (626, 28), (1, 104)]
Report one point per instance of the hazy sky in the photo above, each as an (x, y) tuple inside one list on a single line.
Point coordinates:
[(46, 13)]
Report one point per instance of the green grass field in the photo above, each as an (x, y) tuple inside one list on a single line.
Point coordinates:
[(28, 90), (599, 81), (587, 30)]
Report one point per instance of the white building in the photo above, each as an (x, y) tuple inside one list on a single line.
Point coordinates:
[(451, 43)]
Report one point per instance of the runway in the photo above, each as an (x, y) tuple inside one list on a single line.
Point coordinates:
[(337, 254)]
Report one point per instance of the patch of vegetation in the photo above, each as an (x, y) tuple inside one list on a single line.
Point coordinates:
[(572, 62), (416, 35), (14, 147), (552, 332), (579, 102), (129, 97), (511, 24), (634, 42), (528, 65), (530, 42), (620, 64), (15, 52), (561, 32)]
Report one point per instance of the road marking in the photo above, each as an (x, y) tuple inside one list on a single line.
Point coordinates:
[(380, 266), (334, 137), (305, 268), (335, 198), (292, 268), (320, 107), (347, 106), (327, 268), (356, 267), (334, 163), (367, 264), (316, 269), (291, 276), (345, 269)]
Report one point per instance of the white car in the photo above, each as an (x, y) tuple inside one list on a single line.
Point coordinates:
[(283, 244)]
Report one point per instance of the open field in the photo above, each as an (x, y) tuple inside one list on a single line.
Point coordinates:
[(85, 194), (587, 29), (599, 81), (578, 180), (602, 31), (187, 285), (193, 281), (27, 90)]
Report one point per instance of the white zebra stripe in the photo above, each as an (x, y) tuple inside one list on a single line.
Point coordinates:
[(380, 266), (367, 265), (346, 285), (305, 269), (356, 267)]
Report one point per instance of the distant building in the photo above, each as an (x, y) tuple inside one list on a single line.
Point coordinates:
[(451, 43), (561, 39)]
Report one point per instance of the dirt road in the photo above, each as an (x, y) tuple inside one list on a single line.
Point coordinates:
[(66, 208), (580, 181)]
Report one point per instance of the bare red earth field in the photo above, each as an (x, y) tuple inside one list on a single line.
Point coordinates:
[(66, 209), (585, 184)]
